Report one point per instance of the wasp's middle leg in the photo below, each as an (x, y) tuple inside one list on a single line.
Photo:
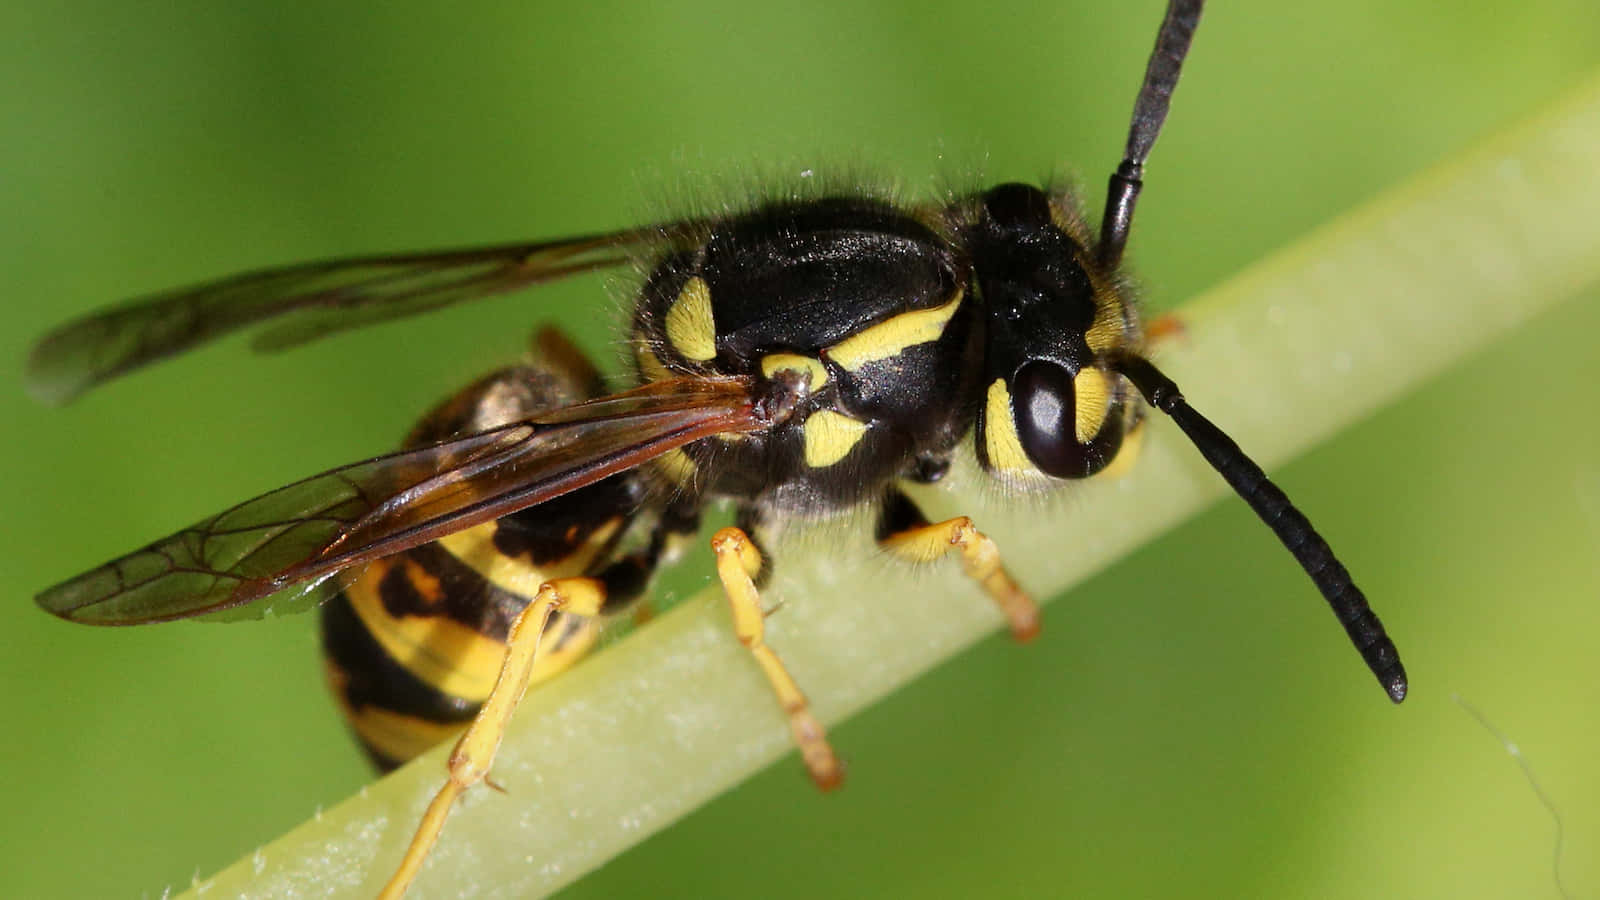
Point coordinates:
[(742, 567), (904, 531)]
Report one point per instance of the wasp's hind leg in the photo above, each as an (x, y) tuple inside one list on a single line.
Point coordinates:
[(741, 566), (474, 752), (617, 585), (904, 531)]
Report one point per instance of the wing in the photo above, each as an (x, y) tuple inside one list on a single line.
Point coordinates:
[(285, 545), (317, 299)]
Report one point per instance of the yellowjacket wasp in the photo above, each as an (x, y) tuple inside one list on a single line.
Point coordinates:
[(799, 357)]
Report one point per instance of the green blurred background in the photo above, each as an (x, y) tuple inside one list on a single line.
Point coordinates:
[(1174, 733)]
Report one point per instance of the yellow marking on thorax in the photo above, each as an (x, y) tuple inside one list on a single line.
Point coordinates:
[(894, 335), (1000, 432), (651, 368), (773, 363), (690, 328), (830, 436), (1092, 392)]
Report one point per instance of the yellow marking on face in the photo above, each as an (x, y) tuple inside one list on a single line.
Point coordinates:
[(1127, 455), (773, 363), (690, 328), (1000, 432), (1092, 392), (651, 368), (829, 437), (677, 467), (1109, 331), (894, 335)]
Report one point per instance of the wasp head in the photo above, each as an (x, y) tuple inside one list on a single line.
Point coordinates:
[(1055, 318)]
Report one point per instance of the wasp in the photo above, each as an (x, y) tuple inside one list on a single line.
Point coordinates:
[(800, 359)]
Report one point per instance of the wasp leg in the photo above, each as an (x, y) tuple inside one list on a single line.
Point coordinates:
[(739, 564), (475, 751), (904, 531), (616, 586)]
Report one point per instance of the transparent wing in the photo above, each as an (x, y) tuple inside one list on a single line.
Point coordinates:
[(313, 300), (284, 545)]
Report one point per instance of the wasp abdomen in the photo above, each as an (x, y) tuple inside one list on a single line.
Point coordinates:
[(414, 642)]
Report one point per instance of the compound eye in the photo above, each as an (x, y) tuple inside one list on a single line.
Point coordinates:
[(1045, 411)]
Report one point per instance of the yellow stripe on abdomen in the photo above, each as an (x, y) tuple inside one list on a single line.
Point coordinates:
[(450, 655)]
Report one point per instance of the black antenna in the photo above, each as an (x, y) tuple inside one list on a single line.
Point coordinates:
[(1149, 111), (1293, 529)]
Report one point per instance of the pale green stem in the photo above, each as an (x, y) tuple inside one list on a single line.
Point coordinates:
[(1282, 356)]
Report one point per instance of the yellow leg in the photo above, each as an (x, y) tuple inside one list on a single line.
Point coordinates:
[(981, 560), (738, 561), (474, 752)]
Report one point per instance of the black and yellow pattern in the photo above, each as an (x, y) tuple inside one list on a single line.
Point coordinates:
[(414, 642), (804, 358)]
